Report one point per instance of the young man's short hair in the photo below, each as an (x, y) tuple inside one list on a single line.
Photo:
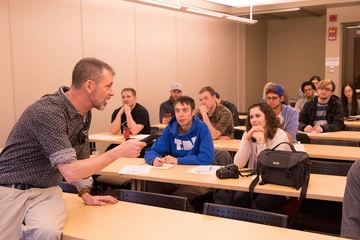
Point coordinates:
[(207, 89), (185, 100), (325, 82), (129, 90)]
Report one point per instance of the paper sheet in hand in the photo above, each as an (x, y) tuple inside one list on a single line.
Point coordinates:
[(164, 166), (134, 169), (204, 169), (140, 136)]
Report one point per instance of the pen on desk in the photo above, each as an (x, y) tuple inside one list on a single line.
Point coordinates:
[(210, 168)]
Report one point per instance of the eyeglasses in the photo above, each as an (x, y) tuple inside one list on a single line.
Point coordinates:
[(272, 98), (326, 89)]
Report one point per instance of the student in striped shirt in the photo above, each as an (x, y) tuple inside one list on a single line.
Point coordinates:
[(323, 113)]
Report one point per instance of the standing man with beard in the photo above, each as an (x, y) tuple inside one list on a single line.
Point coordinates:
[(50, 142), (288, 117), (167, 107), (323, 113)]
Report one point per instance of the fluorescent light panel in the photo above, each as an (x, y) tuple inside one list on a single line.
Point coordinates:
[(204, 12), (240, 19), (247, 3), (163, 4), (273, 11), (198, 11)]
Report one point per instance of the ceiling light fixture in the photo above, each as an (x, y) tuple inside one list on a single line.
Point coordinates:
[(204, 12), (179, 7), (163, 4), (272, 11)]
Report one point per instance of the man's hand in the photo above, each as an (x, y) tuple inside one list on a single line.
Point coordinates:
[(318, 129), (203, 110), (158, 162), (170, 159), (98, 200), (127, 109), (223, 138), (308, 129), (130, 148), (164, 121)]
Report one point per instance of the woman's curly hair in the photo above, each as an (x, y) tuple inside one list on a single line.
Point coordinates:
[(272, 122)]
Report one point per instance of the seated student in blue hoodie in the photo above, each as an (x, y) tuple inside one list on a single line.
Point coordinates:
[(186, 140)]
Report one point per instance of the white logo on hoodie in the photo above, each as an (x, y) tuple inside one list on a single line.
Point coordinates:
[(184, 145)]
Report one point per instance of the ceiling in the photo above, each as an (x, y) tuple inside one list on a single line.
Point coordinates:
[(270, 9)]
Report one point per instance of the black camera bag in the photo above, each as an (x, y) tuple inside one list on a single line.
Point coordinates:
[(283, 168)]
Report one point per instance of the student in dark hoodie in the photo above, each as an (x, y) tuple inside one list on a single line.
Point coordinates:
[(186, 140)]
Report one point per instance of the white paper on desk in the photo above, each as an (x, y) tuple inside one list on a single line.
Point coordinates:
[(204, 169), (104, 137), (299, 147), (164, 166), (134, 169)]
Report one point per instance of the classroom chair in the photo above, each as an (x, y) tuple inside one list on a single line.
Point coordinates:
[(154, 199), (337, 168), (336, 142), (319, 215), (245, 214)]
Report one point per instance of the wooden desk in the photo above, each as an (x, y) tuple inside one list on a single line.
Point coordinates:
[(340, 135), (318, 186), (317, 151), (355, 123), (226, 145), (115, 138), (160, 126), (135, 221), (73, 201), (240, 128), (243, 117)]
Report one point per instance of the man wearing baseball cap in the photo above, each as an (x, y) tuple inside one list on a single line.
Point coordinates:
[(167, 107), (288, 116)]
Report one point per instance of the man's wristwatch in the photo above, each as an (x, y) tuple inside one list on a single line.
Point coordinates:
[(83, 191)]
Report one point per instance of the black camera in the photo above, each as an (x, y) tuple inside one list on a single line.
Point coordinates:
[(229, 171)]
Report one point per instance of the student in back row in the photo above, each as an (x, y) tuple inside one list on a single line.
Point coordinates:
[(217, 117), (288, 116), (323, 113), (167, 107), (187, 141), (231, 107)]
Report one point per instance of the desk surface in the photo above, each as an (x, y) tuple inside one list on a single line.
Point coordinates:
[(340, 135), (355, 123), (160, 126), (318, 186), (73, 201), (314, 150), (135, 221)]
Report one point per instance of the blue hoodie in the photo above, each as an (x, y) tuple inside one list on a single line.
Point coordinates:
[(194, 147), (291, 120)]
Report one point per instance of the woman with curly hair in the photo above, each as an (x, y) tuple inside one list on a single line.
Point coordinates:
[(349, 100), (263, 130)]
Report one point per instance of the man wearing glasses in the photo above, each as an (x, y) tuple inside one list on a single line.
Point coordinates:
[(323, 113), (275, 96), (50, 142)]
